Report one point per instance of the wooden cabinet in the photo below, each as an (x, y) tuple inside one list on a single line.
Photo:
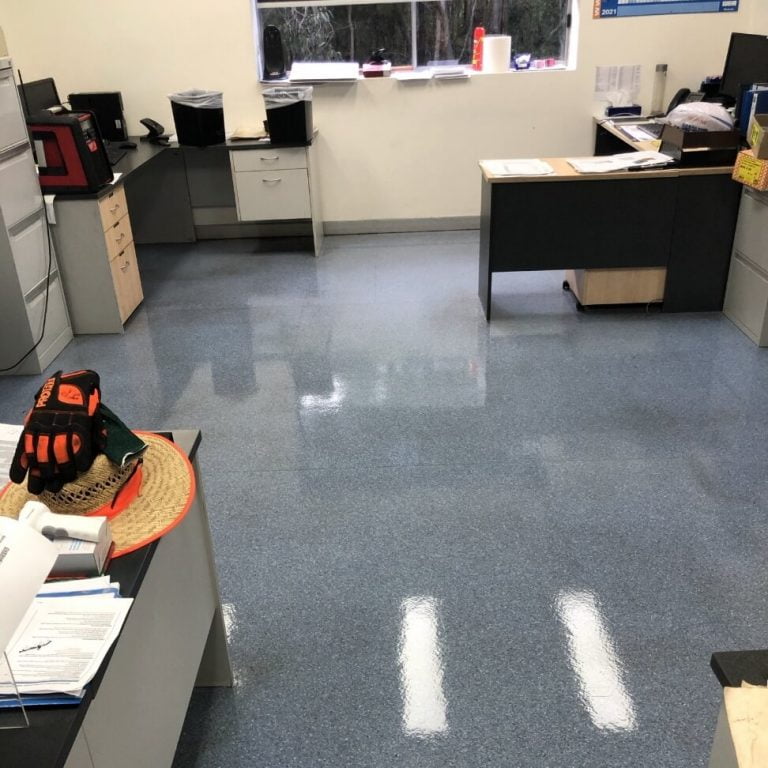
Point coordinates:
[(98, 260), (277, 184), (746, 294), (617, 286)]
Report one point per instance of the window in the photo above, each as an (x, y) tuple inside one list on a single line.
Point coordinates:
[(416, 32)]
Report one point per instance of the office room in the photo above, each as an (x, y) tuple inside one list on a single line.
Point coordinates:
[(440, 536)]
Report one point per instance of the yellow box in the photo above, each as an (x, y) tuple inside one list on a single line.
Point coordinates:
[(751, 171), (757, 136)]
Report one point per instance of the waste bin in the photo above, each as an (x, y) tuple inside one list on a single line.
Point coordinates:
[(198, 117), (289, 113)]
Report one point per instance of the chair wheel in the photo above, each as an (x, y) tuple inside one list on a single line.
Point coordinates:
[(566, 285)]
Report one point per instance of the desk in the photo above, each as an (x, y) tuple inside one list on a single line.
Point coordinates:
[(172, 640), (681, 218)]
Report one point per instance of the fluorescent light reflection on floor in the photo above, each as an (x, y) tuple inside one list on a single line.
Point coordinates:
[(594, 661), (421, 668)]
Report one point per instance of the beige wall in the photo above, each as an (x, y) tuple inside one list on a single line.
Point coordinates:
[(387, 150)]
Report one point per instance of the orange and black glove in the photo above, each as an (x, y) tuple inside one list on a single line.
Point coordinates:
[(62, 433)]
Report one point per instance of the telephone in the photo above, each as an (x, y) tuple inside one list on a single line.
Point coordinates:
[(156, 133), (684, 96)]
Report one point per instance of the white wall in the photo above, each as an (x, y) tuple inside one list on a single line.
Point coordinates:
[(387, 150)]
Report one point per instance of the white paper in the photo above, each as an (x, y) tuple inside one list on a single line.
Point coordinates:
[(61, 643), (522, 167), (412, 74), (620, 162), (620, 85), (26, 559), (9, 438)]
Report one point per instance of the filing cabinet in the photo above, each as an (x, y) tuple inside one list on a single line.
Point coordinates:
[(746, 294), (277, 184), (34, 323), (98, 260)]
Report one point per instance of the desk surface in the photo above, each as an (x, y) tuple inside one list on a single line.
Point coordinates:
[(48, 740), (565, 172)]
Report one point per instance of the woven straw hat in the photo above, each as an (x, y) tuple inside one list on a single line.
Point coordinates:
[(143, 500)]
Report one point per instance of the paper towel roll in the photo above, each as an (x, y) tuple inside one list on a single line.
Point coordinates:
[(497, 51)]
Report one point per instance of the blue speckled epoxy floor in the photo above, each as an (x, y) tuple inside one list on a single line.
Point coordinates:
[(443, 543)]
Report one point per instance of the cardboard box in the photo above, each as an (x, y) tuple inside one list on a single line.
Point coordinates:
[(751, 171), (699, 148), (757, 136)]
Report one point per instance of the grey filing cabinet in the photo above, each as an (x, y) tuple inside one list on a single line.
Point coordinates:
[(746, 294), (97, 254), (32, 305), (278, 184)]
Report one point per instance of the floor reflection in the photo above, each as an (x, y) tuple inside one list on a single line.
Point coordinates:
[(595, 663), (421, 668)]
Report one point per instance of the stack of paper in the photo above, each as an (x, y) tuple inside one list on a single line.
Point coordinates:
[(523, 167), (62, 640), (457, 72), (622, 162), (9, 437)]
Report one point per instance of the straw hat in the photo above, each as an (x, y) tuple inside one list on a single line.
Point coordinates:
[(143, 500)]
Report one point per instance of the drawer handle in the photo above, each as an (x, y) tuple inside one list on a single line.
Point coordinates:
[(125, 266), (270, 181), (269, 159), (120, 239), (114, 207)]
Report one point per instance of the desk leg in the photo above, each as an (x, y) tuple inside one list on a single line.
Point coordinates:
[(485, 275)]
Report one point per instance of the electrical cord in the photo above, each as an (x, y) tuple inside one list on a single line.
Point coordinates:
[(47, 291)]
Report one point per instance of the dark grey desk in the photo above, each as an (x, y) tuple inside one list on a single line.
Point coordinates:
[(172, 640), (681, 219)]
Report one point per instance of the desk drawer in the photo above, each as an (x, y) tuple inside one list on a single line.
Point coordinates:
[(268, 159), (272, 195), (118, 236), (112, 207), (127, 282), (751, 239)]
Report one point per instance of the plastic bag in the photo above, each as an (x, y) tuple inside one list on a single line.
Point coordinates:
[(700, 116), (198, 99), (284, 97)]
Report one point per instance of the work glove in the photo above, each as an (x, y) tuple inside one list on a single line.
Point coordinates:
[(62, 434)]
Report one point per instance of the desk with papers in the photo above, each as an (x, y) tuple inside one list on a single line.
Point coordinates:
[(173, 639), (682, 219)]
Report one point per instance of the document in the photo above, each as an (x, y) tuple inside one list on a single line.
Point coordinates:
[(621, 162), (9, 438), (26, 558), (523, 167), (61, 643)]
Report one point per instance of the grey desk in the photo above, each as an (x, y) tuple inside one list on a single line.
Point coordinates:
[(681, 219), (173, 639)]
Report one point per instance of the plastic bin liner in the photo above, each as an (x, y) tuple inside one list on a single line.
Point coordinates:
[(198, 99), (285, 97)]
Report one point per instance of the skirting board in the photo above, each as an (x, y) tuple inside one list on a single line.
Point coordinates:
[(383, 226)]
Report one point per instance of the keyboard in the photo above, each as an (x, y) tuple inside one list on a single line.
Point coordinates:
[(115, 154)]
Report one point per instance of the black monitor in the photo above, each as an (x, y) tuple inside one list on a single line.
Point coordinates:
[(746, 63), (39, 95)]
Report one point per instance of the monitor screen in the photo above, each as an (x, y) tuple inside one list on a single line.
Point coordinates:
[(746, 63), (39, 95)]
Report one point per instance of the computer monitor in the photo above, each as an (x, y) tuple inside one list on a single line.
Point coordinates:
[(746, 63), (39, 95)]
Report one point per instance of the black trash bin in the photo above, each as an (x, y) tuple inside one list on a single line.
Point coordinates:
[(198, 117), (289, 113)]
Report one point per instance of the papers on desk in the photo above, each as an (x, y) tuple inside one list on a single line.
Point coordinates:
[(9, 437), (622, 162), (63, 639), (522, 167)]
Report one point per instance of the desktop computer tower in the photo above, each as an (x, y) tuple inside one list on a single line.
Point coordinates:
[(107, 106)]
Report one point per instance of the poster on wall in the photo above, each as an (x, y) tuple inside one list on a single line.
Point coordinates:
[(607, 9)]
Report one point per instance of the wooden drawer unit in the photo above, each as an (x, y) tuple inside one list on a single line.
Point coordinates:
[(119, 236), (112, 207), (97, 259), (126, 281), (269, 159)]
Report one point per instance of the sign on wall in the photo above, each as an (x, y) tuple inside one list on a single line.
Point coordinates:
[(604, 9)]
